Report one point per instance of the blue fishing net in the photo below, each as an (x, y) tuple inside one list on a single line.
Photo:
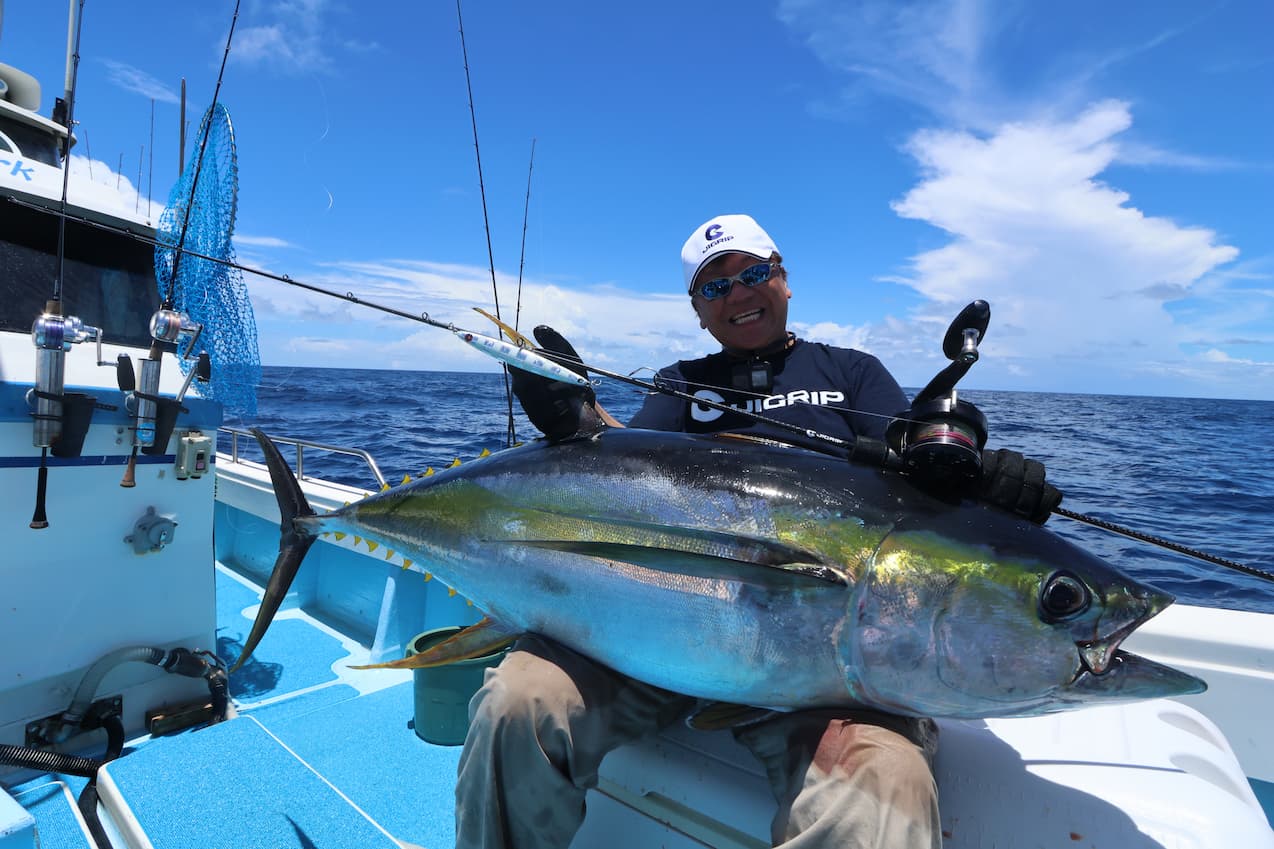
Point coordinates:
[(209, 292)]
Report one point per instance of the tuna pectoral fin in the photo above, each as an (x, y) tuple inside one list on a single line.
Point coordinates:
[(294, 542), (486, 637)]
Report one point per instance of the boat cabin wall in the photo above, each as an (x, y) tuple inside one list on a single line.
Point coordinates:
[(79, 588)]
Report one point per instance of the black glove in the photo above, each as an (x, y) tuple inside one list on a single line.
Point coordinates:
[(1011, 481), (559, 409)]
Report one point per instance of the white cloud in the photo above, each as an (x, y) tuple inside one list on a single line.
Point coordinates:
[(287, 51), (262, 241), (93, 181), (920, 51), (294, 39), (1071, 268), (136, 80), (1215, 355), (611, 328)]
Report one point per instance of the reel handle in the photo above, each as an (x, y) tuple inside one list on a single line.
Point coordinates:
[(961, 347), (939, 437)]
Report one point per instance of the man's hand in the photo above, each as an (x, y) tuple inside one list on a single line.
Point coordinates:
[(559, 409), (1015, 483)]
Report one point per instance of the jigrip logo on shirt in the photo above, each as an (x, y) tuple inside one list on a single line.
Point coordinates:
[(818, 397)]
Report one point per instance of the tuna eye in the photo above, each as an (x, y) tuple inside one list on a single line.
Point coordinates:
[(1063, 596)]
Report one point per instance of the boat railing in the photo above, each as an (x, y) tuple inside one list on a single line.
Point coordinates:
[(301, 444)]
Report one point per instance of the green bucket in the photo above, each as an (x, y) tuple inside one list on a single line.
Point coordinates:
[(442, 693)]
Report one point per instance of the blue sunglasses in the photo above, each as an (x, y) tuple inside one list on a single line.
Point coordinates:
[(753, 275)]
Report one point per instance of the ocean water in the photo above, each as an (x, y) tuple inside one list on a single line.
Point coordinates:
[(1193, 471)]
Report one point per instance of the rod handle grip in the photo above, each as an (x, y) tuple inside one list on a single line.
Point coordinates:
[(39, 520), (130, 471)]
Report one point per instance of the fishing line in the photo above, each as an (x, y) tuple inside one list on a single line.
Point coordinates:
[(327, 128), (486, 222), (656, 385)]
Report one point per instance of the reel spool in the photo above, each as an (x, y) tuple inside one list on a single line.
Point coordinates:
[(940, 438)]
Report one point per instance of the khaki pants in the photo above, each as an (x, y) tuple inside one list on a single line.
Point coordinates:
[(546, 717)]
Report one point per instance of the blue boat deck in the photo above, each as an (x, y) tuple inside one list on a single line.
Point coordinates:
[(310, 749)]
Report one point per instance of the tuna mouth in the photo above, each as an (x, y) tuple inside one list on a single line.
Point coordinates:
[(1096, 656), (746, 317)]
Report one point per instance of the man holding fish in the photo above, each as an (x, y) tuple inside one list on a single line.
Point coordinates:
[(544, 720)]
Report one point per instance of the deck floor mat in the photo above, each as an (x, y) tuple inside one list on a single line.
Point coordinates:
[(300, 704), (411, 791), (241, 788), (308, 650), (56, 821)]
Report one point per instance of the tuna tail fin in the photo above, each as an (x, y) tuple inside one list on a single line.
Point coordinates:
[(294, 541)]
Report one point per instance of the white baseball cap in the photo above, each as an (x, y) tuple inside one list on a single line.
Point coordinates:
[(724, 234)]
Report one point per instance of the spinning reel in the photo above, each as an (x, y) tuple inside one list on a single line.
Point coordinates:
[(940, 438)]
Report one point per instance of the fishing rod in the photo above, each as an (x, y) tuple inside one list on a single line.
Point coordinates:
[(1164, 543), (53, 332), (523, 356), (526, 214), (486, 222), (203, 147), (168, 325)]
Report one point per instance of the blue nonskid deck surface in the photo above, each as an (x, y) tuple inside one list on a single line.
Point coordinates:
[(240, 782), (368, 749), (234, 785), (51, 803), (293, 655), (363, 744)]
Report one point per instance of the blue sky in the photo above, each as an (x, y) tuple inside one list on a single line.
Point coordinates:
[(1101, 173)]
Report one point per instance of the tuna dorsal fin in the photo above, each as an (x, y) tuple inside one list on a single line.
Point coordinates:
[(485, 637)]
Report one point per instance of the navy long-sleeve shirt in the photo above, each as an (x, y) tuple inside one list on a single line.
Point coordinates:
[(836, 391)]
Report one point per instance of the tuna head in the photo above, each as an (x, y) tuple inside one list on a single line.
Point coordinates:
[(997, 617)]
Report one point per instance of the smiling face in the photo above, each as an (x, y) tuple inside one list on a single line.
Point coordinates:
[(745, 319)]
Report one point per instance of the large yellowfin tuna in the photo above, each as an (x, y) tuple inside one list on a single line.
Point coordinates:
[(756, 574)]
